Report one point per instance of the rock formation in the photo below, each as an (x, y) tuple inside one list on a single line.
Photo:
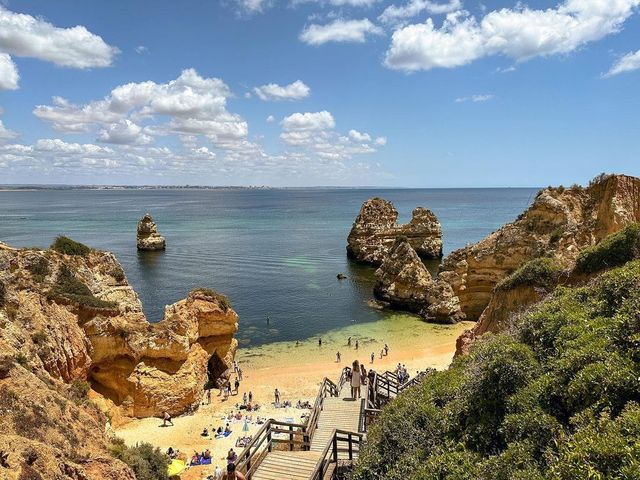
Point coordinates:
[(72, 323), (405, 283), (148, 237), (559, 224), (375, 230)]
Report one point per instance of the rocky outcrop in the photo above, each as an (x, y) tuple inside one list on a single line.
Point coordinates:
[(559, 224), (404, 283), (72, 323), (148, 237), (375, 230)]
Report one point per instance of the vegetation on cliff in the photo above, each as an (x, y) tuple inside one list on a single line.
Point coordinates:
[(147, 462), (555, 397), (67, 246), (539, 272), (613, 251), (69, 287), (213, 296)]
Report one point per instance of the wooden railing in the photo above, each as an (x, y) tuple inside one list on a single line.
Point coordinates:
[(327, 389), (342, 441), (272, 435)]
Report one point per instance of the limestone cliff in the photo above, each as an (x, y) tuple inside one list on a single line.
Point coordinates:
[(375, 230), (148, 237), (405, 283), (559, 225), (73, 333)]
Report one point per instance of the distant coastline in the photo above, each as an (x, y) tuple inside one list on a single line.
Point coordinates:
[(38, 187)]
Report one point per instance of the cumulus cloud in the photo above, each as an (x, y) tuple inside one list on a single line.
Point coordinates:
[(474, 98), (398, 14), (22, 35), (628, 63), (520, 33), (5, 133), (124, 132), (252, 6), (8, 73), (142, 49), (308, 121), (271, 119), (274, 92), (340, 31), (359, 137)]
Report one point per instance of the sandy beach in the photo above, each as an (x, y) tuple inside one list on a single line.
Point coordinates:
[(296, 371)]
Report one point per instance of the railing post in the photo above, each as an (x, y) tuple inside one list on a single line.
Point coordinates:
[(291, 439), (335, 447), (350, 447), (269, 439)]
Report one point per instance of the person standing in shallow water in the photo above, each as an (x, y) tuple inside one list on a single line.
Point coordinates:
[(355, 379), (357, 345), (320, 342)]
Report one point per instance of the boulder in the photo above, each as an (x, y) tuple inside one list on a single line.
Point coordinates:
[(403, 282), (375, 230), (148, 237)]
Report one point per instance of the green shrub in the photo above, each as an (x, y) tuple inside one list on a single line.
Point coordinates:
[(21, 359), (67, 246), (39, 269), (39, 337), (615, 250), (79, 390), (147, 462), (118, 274), (556, 235), (555, 397), (539, 272), (600, 178), (69, 287), (213, 296)]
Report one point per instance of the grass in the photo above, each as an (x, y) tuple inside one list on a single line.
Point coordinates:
[(39, 269), (69, 287), (213, 296), (539, 272), (67, 246), (613, 251)]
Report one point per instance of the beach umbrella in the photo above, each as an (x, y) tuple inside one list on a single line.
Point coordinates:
[(245, 427)]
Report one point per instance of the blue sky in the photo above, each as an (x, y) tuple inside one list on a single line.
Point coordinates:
[(412, 93)]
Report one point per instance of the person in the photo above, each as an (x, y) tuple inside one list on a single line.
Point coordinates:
[(349, 342), (219, 431), (171, 453), (373, 356), (206, 454), (338, 357), (240, 373), (381, 353), (218, 473), (232, 474), (250, 397), (268, 320), (244, 398), (297, 343), (205, 432), (357, 344), (209, 396), (363, 374), (228, 389), (227, 430), (355, 380), (320, 342), (238, 415), (236, 385), (276, 395), (232, 456), (386, 349), (166, 418), (235, 366)]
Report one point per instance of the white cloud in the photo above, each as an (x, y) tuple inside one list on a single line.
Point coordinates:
[(124, 132), (142, 49), (8, 73), (271, 119), (26, 36), (340, 31), (628, 63), (359, 137), (519, 33), (397, 14), (273, 92), (381, 141), (253, 6), (308, 121), (474, 98), (5, 133)]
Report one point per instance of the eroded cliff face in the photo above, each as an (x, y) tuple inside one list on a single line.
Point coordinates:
[(375, 230), (70, 322), (559, 224), (147, 235), (404, 283)]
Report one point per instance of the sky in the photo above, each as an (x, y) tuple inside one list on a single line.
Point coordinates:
[(407, 93)]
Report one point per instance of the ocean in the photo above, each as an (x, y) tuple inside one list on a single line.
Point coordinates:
[(275, 253)]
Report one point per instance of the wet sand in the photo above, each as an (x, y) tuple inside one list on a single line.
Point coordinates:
[(297, 372)]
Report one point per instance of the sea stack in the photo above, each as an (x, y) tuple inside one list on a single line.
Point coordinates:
[(148, 236), (403, 282), (375, 231)]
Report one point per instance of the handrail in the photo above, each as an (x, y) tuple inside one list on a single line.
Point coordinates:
[(263, 442), (331, 450), (326, 387)]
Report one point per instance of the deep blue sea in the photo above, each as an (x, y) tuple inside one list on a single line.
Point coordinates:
[(273, 252)]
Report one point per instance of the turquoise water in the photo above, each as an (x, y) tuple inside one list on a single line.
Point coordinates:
[(273, 252)]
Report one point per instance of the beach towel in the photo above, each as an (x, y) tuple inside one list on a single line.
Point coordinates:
[(205, 461), (226, 434), (176, 467)]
